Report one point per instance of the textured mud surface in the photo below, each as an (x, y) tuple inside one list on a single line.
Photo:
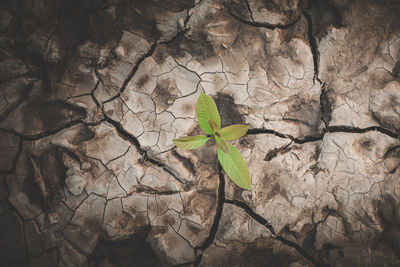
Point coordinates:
[(93, 92)]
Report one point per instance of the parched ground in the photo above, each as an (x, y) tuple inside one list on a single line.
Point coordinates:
[(94, 92)]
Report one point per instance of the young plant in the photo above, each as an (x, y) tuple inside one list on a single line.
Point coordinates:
[(229, 156)]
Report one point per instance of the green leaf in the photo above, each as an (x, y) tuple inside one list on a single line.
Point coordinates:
[(222, 144), (233, 132), (191, 142), (206, 110), (235, 167), (213, 126)]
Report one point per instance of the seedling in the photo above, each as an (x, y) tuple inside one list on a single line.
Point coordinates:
[(229, 156)]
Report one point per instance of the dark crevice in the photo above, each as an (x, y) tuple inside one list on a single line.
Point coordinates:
[(390, 151), (277, 151), (384, 124), (329, 129), (44, 134), (43, 73), (130, 251), (306, 139), (396, 70), (265, 222), (251, 213), (301, 251), (272, 153), (325, 104), (313, 43), (349, 129), (218, 214), (35, 137), (187, 163), (265, 24), (92, 92), (151, 191), (76, 247), (145, 157), (249, 8)]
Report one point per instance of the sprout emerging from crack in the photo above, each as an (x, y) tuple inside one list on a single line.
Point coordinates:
[(229, 156)]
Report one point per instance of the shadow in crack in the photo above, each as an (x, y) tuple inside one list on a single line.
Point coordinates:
[(228, 110), (388, 213), (123, 253)]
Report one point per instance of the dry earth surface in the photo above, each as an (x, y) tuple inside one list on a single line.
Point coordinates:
[(94, 92)]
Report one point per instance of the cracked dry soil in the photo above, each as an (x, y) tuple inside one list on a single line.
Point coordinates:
[(93, 92)]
